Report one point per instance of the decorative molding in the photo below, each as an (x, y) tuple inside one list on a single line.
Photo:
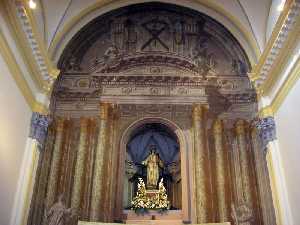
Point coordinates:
[(283, 91), (46, 71), (16, 71), (38, 128), (281, 36), (18, 76), (285, 88)]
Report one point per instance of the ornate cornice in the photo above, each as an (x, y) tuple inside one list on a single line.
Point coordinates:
[(286, 24), (46, 70)]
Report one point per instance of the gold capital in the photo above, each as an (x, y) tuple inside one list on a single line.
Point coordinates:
[(199, 111), (104, 108), (218, 126), (240, 127)]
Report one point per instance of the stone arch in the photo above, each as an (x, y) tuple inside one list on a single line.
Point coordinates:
[(184, 154)]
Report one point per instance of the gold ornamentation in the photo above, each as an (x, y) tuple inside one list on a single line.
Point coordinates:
[(218, 126), (240, 127), (153, 162), (143, 201), (104, 108)]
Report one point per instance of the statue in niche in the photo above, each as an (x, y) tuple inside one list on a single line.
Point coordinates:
[(153, 162), (59, 214), (242, 214)]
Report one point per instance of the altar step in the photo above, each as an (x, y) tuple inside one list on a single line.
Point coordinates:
[(149, 222), (155, 222), (171, 217)]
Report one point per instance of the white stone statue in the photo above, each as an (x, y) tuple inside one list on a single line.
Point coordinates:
[(241, 215), (59, 214)]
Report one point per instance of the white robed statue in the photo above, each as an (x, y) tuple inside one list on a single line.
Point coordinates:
[(153, 162)]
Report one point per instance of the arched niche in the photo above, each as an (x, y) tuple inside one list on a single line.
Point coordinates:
[(185, 211)]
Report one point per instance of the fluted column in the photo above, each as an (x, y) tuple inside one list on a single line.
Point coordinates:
[(244, 161), (56, 158), (98, 178), (220, 170), (199, 163), (79, 165)]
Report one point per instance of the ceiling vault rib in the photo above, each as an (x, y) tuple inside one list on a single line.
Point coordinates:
[(247, 17), (61, 20)]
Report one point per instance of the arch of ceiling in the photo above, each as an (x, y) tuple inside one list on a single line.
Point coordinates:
[(67, 32)]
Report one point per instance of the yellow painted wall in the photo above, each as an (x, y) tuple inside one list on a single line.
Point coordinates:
[(15, 116)]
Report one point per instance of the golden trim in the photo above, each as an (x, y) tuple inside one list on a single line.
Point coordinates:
[(16, 71), (283, 59), (288, 84), (56, 40), (266, 112), (18, 76), (40, 108), (283, 91), (278, 26), (274, 190)]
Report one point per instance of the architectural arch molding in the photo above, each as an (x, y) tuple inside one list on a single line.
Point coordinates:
[(183, 146), (243, 36)]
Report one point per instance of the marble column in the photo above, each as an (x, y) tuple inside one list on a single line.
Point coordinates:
[(199, 163), (55, 164), (114, 165), (244, 160), (107, 201), (98, 178), (79, 165), (220, 170), (263, 182)]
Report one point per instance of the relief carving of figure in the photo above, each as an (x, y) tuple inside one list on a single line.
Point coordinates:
[(59, 214), (153, 162), (242, 214), (112, 57), (203, 60)]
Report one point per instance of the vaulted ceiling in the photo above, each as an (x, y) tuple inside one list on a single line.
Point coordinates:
[(56, 19)]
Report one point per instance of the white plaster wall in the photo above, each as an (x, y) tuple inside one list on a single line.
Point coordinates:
[(15, 117), (288, 132)]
